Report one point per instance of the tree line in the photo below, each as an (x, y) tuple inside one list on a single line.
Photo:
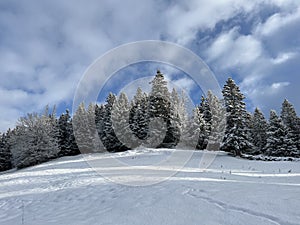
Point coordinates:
[(158, 119)]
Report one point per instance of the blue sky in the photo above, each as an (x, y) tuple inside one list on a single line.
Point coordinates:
[(45, 46)]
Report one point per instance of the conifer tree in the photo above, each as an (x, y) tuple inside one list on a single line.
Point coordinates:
[(291, 121), (92, 129), (204, 108), (276, 141), (235, 140), (259, 131), (120, 123), (160, 112), (217, 124), (139, 116), (5, 154), (66, 138), (81, 125), (190, 130), (108, 137)]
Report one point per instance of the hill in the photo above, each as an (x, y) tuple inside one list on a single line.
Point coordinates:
[(230, 191)]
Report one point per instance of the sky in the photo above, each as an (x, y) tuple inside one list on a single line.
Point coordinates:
[(46, 46)]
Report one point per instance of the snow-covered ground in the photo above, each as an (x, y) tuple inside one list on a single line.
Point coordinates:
[(231, 191)]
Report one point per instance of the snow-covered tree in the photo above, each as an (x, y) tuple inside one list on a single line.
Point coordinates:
[(99, 120), (291, 121), (217, 123), (108, 136), (204, 108), (190, 130), (235, 140), (259, 131), (34, 140), (279, 141), (120, 123), (93, 133), (5, 154), (139, 116), (159, 113), (81, 127), (66, 138)]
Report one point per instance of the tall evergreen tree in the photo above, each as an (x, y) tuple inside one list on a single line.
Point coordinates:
[(81, 126), (66, 139), (191, 128), (276, 141), (204, 108), (217, 124), (290, 119), (160, 107), (92, 129), (99, 120), (235, 140), (5, 154), (259, 131), (139, 116), (120, 123), (108, 137)]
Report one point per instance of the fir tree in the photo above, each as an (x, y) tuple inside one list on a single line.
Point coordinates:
[(204, 108), (276, 141), (66, 139), (190, 130), (139, 116), (92, 129), (81, 126), (259, 131), (108, 137), (5, 154), (290, 120), (217, 123), (159, 113), (235, 140), (120, 123)]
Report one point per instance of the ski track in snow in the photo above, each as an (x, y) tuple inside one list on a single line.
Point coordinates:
[(224, 206), (68, 191)]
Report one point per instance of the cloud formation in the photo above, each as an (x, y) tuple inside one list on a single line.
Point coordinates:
[(45, 46)]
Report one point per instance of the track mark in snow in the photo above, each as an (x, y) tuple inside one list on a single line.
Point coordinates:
[(224, 206)]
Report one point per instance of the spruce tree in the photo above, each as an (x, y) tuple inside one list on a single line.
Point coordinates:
[(99, 120), (66, 140), (217, 123), (276, 141), (204, 108), (235, 140), (92, 129), (160, 113), (259, 131), (81, 126), (120, 122), (138, 115), (290, 119), (5, 154), (108, 137), (191, 128)]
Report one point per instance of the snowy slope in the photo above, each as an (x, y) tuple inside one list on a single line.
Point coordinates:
[(231, 191)]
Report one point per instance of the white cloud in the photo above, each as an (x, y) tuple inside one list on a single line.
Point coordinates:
[(46, 46), (278, 22), (232, 49), (279, 85), (283, 57)]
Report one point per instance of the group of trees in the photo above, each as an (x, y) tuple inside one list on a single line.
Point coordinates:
[(158, 119)]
